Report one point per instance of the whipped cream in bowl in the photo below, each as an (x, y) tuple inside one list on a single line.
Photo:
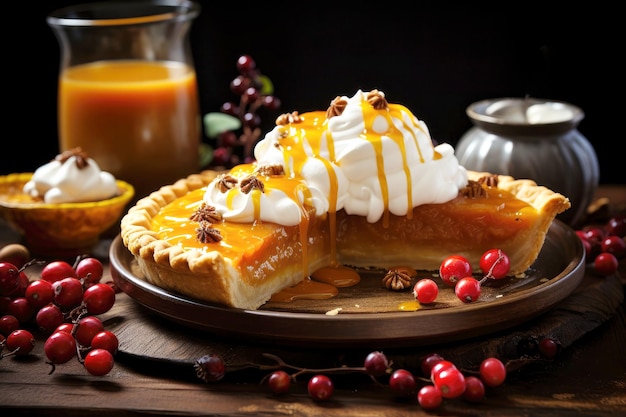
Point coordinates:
[(63, 208), (72, 177)]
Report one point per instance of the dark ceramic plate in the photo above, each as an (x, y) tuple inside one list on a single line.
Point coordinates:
[(365, 316)]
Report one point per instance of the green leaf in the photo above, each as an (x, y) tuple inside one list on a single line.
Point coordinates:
[(206, 155), (216, 123), (267, 88)]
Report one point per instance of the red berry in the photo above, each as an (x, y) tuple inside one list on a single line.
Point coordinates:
[(86, 329), (428, 362), (23, 283), (57, 270), (615, 245), (4, 303), (474, 389), (429, 397), (21, 309), (495, 264), (450, 381), (492, 372), (65, 327), (210, 368), (251, 94), (21, 342), (320, 388), (467, 289), (68, 292), (49, 317), (90, 270), (60, 347), (238, 85), (229, 108), (271, 102), (39, 293), (376, 364), (8, 324), (251, 119), (440, 366), (453, 268), (99, 362), (279, 382), (617, 226), (588, 248), (594, 233), (548, 347), (245, 64), (402, 383), (227, 138), (99, 298), (106, 339), (9, 278), (606, 264), (426, 291)]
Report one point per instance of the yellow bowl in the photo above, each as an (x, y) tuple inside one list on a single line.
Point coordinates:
[(59, 230)]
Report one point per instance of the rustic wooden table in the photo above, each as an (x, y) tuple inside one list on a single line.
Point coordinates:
[(587, 378)]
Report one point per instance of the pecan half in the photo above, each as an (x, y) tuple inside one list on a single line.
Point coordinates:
[(397, 280), (207, 234), (206, 213), (288, 118), (250, 183), (489, 180), (226, 182), (377, 100), (81, 157), (270, 170), (473, 189), (336, 108)]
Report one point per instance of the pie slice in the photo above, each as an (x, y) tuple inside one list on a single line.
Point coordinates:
[(361, 184)]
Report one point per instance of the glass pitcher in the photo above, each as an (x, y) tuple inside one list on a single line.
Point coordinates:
[(127, 88)]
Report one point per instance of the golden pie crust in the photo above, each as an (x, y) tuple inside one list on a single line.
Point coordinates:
[(254, 261)]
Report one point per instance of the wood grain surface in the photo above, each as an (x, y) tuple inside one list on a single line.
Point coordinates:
[(145, 335)]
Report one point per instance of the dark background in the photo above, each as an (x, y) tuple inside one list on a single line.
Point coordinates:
[(434, 58)]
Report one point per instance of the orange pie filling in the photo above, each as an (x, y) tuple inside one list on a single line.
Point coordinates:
[(258, 251)]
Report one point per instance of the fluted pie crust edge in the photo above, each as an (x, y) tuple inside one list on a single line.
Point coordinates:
[(208, 276)]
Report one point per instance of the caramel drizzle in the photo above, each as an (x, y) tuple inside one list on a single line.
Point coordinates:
[(299, 131)]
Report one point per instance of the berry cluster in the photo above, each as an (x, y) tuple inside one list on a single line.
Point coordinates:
[(440, 379), (237, 127), (456, 271), (63, 305), (605, 244)]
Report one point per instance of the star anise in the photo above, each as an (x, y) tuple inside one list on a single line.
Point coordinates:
[(336, 108), (377, 100), (205, 233), (397, 279), (81, 157), (226, 182), (250, 183), (206, 213)]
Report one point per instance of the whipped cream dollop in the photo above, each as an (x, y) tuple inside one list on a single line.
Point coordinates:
[(363, 155), (71, 177)]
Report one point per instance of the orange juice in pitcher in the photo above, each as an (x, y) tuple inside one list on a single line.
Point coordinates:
[(138, 119)]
